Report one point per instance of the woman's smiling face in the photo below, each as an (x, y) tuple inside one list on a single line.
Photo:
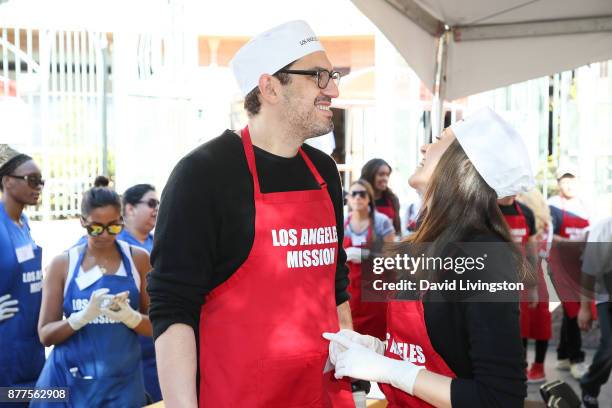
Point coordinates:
[(432, 152)]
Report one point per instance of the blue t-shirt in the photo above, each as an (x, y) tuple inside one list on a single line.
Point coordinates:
[(124, 235), (12, 236)]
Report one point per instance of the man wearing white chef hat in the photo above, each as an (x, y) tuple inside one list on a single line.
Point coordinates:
[(440, 352), (248, 259)]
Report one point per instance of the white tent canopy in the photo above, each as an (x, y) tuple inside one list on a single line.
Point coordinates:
[(459, 48)]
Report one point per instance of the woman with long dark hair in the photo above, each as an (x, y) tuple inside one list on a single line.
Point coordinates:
[(21, 356), (377, 173), (442, 352), (100, 288)]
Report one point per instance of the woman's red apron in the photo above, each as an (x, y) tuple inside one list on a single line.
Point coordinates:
[(535, 322), (368, 317), (260, 331), (407, 340), (565, 262)]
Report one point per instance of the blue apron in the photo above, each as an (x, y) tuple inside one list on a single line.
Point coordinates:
[(100, 363), (149, 363), (21, 354)]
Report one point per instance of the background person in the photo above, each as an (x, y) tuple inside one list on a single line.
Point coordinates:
[(227, 274), (21, 356), (96, 353), (596, 279), (445, 353), (140, 203), (536, 322), (377, 173), (362, 228), (570, 223)]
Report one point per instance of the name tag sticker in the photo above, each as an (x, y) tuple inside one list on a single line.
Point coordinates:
[(88, 278), (24, 253)]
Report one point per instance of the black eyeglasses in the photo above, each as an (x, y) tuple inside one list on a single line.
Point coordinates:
[(33, 180), (323, 75), (359, 193), (152, 203)]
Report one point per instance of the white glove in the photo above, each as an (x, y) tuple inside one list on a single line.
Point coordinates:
[(336, 348), (8, 308), (93, 309), (362, 363), (353, 254), (123, 313)]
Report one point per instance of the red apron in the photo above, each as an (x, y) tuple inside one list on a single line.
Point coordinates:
[(386, 209), (407, 339), (368, 317), (535, 322), (260, 331), (566, 265)]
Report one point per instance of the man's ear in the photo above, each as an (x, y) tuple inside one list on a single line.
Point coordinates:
[(269, 88)]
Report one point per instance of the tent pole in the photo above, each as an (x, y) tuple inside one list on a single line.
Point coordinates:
[(437, 105)]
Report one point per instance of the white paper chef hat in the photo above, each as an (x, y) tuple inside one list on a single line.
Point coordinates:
[(269, 51), (497, 151)]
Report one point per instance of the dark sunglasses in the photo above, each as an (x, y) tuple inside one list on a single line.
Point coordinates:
[(95, 229), (362, 194), (33, 180), (152, 203), (323, 75)]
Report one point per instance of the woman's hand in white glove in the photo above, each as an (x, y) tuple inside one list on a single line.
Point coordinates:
[(8, 307), (362, 363), (336, 348), (123, 313), (93, 309)]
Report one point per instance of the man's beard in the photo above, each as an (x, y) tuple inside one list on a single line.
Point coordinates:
[(304, 123)]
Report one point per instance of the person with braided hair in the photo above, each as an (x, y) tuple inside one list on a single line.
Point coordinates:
[(20, 271)]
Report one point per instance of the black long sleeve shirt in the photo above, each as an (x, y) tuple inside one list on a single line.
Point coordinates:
[(480, 341), (206, 223)]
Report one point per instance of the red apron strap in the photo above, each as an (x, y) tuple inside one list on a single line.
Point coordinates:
[(313, 169), (250, 156), (518, 208), (347, 221)]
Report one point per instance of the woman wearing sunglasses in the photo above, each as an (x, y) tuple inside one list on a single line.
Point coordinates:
[(439, 351), (100, 288), (21, 354), (140, 204), (362, 227)]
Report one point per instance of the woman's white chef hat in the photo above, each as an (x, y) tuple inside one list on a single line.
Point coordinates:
[(269, 51), (497, 152)]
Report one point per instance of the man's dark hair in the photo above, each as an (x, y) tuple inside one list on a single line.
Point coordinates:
[(566, 175), (252, 104)]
